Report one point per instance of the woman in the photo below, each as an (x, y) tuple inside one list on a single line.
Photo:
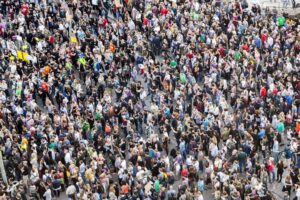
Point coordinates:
[(280, 170), (288, 183), (166, 143)]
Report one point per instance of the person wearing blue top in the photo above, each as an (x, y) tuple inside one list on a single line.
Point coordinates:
[(182, 148), (289, 99), (258, 42), (288, 156)]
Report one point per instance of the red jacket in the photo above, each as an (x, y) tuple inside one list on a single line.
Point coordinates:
[(184, 172), (263, 92), (264, 37), (145, 21), (275, 91), (51, 39), (24, 9), (245, 47), (164, 11)]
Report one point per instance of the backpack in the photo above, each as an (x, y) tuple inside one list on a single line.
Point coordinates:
[(288, 153)]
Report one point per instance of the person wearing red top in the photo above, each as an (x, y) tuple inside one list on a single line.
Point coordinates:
[(297, 128), (263, 92), (45, 87), (222, 51), (264, 37), (275, 91), (190, 55), (246, 47), (24, 9), (51, 40), (270, 169), (235, 20), (184, 172), (164, 11), (103, 22), (145, 21)]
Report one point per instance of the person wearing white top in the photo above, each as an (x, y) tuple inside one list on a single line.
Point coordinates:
[(47, 194), (298, 192), (19, 110), (275, 150), (67, 157)]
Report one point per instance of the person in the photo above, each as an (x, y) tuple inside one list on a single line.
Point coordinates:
[(47, 195), (242, 157), (287, 185), (94, 94), (294, 3), (297, 192), (275, 150), (280, 170), (271, 169), (171, 193), (288, 157), (286, 3)]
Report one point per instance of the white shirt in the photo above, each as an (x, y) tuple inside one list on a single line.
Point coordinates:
[(131, 25), (3, 85), (2, 98), (19, 110), (270, 41), (214, 150), (275, 146), (48, 195), (13, 68), (68, 157), (82, 168), (298, 192), (200, 197)]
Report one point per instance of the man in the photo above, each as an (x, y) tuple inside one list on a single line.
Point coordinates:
[(47, 195), (275, 150), (171, 193), (294, 3), (288, 156), (286, 3), (71, 191), (182, 148), (242, 156)]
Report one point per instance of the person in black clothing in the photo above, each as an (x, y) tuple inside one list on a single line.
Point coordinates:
[(280, 170)]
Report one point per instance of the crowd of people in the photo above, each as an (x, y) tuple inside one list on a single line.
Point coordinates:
[(132, 99)]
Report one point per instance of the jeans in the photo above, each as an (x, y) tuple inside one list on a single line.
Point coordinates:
[(183, 154), (271, 176), (279, 177), (242, 165), (275, 156)]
